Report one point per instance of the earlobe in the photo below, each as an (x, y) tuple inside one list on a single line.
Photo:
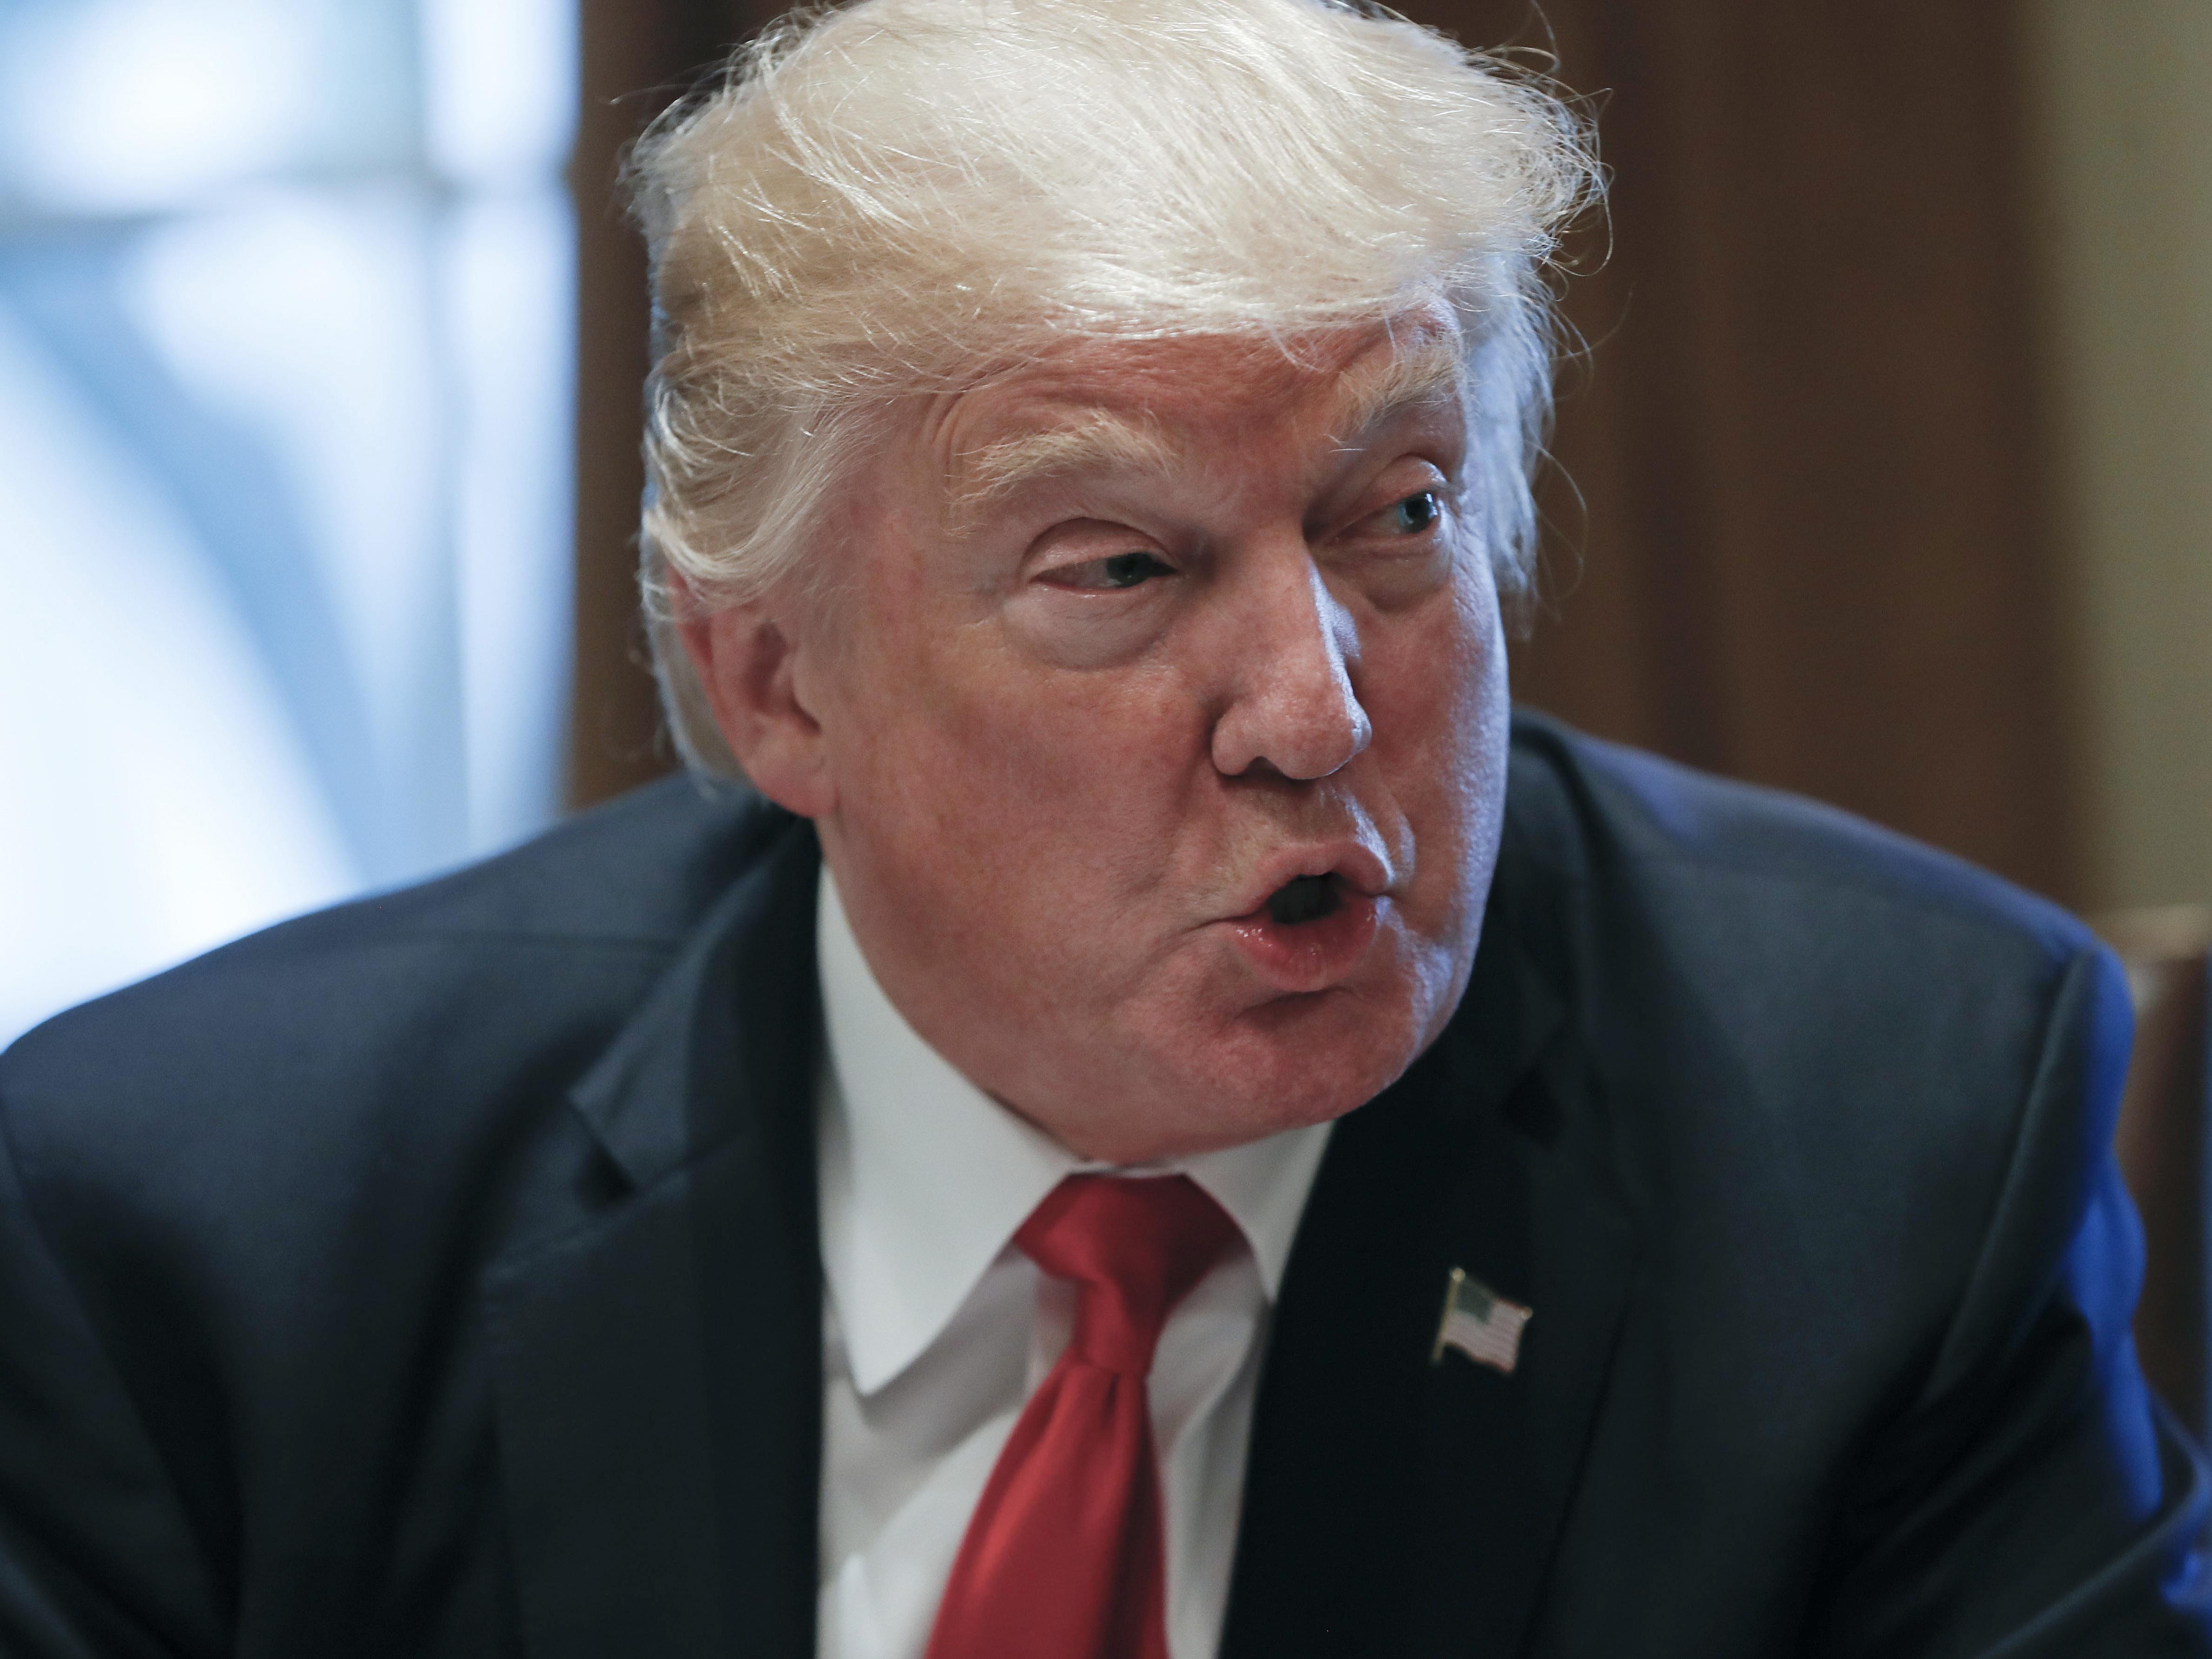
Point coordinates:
[(747, 660)]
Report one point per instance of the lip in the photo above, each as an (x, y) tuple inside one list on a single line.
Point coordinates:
[(1360, 870), (1312, 956)]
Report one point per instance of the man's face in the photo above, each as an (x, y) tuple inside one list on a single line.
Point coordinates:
[(1159, 730)]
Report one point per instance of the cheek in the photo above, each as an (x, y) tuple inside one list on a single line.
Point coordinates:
[(1441, 710), (956, 742), (1436, 691), (1482, 699), (1481, 714)]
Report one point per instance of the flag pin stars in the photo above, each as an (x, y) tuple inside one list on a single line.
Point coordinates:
[(1480, 1323)]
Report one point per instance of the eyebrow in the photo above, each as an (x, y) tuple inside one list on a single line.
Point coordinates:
[(1408, 381), (984, 477)]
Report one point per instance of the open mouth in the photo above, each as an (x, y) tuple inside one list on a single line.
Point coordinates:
[(1305, 898), (1309, 933)]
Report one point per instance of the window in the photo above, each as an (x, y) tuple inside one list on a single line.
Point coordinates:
[(285, 414)]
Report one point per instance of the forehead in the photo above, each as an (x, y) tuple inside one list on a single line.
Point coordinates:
[(1152, 402)]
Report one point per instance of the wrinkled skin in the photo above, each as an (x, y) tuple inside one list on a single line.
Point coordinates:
[(1061, 747)]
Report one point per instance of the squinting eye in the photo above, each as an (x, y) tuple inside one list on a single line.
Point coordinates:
[(1416, 512), (1127, 569), (1115, 571)]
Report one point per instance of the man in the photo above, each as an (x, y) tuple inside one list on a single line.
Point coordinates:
[(1160, 1128)]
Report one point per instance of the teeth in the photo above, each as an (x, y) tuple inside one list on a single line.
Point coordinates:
[(1301, 899)]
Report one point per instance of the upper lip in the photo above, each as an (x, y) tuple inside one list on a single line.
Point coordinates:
[(1359, 867)]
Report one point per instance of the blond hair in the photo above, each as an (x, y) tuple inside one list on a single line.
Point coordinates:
[(900, 196)]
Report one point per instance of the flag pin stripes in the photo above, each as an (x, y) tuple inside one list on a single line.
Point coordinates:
[(1480, 1323)]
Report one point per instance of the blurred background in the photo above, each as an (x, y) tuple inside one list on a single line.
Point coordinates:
[(1885, 477)]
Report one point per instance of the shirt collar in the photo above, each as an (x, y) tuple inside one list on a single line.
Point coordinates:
[(925, 1178)]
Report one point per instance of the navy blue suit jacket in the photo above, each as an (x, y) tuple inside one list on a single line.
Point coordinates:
[(438, 1275)]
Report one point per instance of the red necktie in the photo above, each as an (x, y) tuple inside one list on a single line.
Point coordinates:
[(1063, 1557)]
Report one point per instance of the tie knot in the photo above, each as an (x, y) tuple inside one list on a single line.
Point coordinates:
[(1134, 1247)]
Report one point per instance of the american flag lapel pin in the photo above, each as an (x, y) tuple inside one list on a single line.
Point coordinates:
[(1480, 1323)]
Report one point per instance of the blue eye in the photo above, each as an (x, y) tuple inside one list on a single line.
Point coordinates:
[(1416, 512)]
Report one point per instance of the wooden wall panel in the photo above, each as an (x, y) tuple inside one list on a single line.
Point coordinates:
[(639, 56), (1814, 546)]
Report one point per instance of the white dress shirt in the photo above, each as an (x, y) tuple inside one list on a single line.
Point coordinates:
[(936, 1327)]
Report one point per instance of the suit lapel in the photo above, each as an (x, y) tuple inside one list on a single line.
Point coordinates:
[(658, 1381), (1394, 1506)]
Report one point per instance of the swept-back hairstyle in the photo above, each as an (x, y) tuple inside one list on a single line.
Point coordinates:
[(901, 195)]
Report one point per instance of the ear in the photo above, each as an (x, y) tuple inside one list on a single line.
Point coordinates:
[(747, 659)]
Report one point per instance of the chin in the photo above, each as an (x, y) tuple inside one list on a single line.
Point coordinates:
[(1293, 1061), (1218, 1066)]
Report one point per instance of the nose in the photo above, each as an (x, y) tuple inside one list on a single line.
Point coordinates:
[(1291, 706)]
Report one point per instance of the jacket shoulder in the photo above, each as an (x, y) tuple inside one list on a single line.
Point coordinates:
[(1852, 1102), (636, 872), (1602, 816), (429, 1011), (1796, 1014)]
